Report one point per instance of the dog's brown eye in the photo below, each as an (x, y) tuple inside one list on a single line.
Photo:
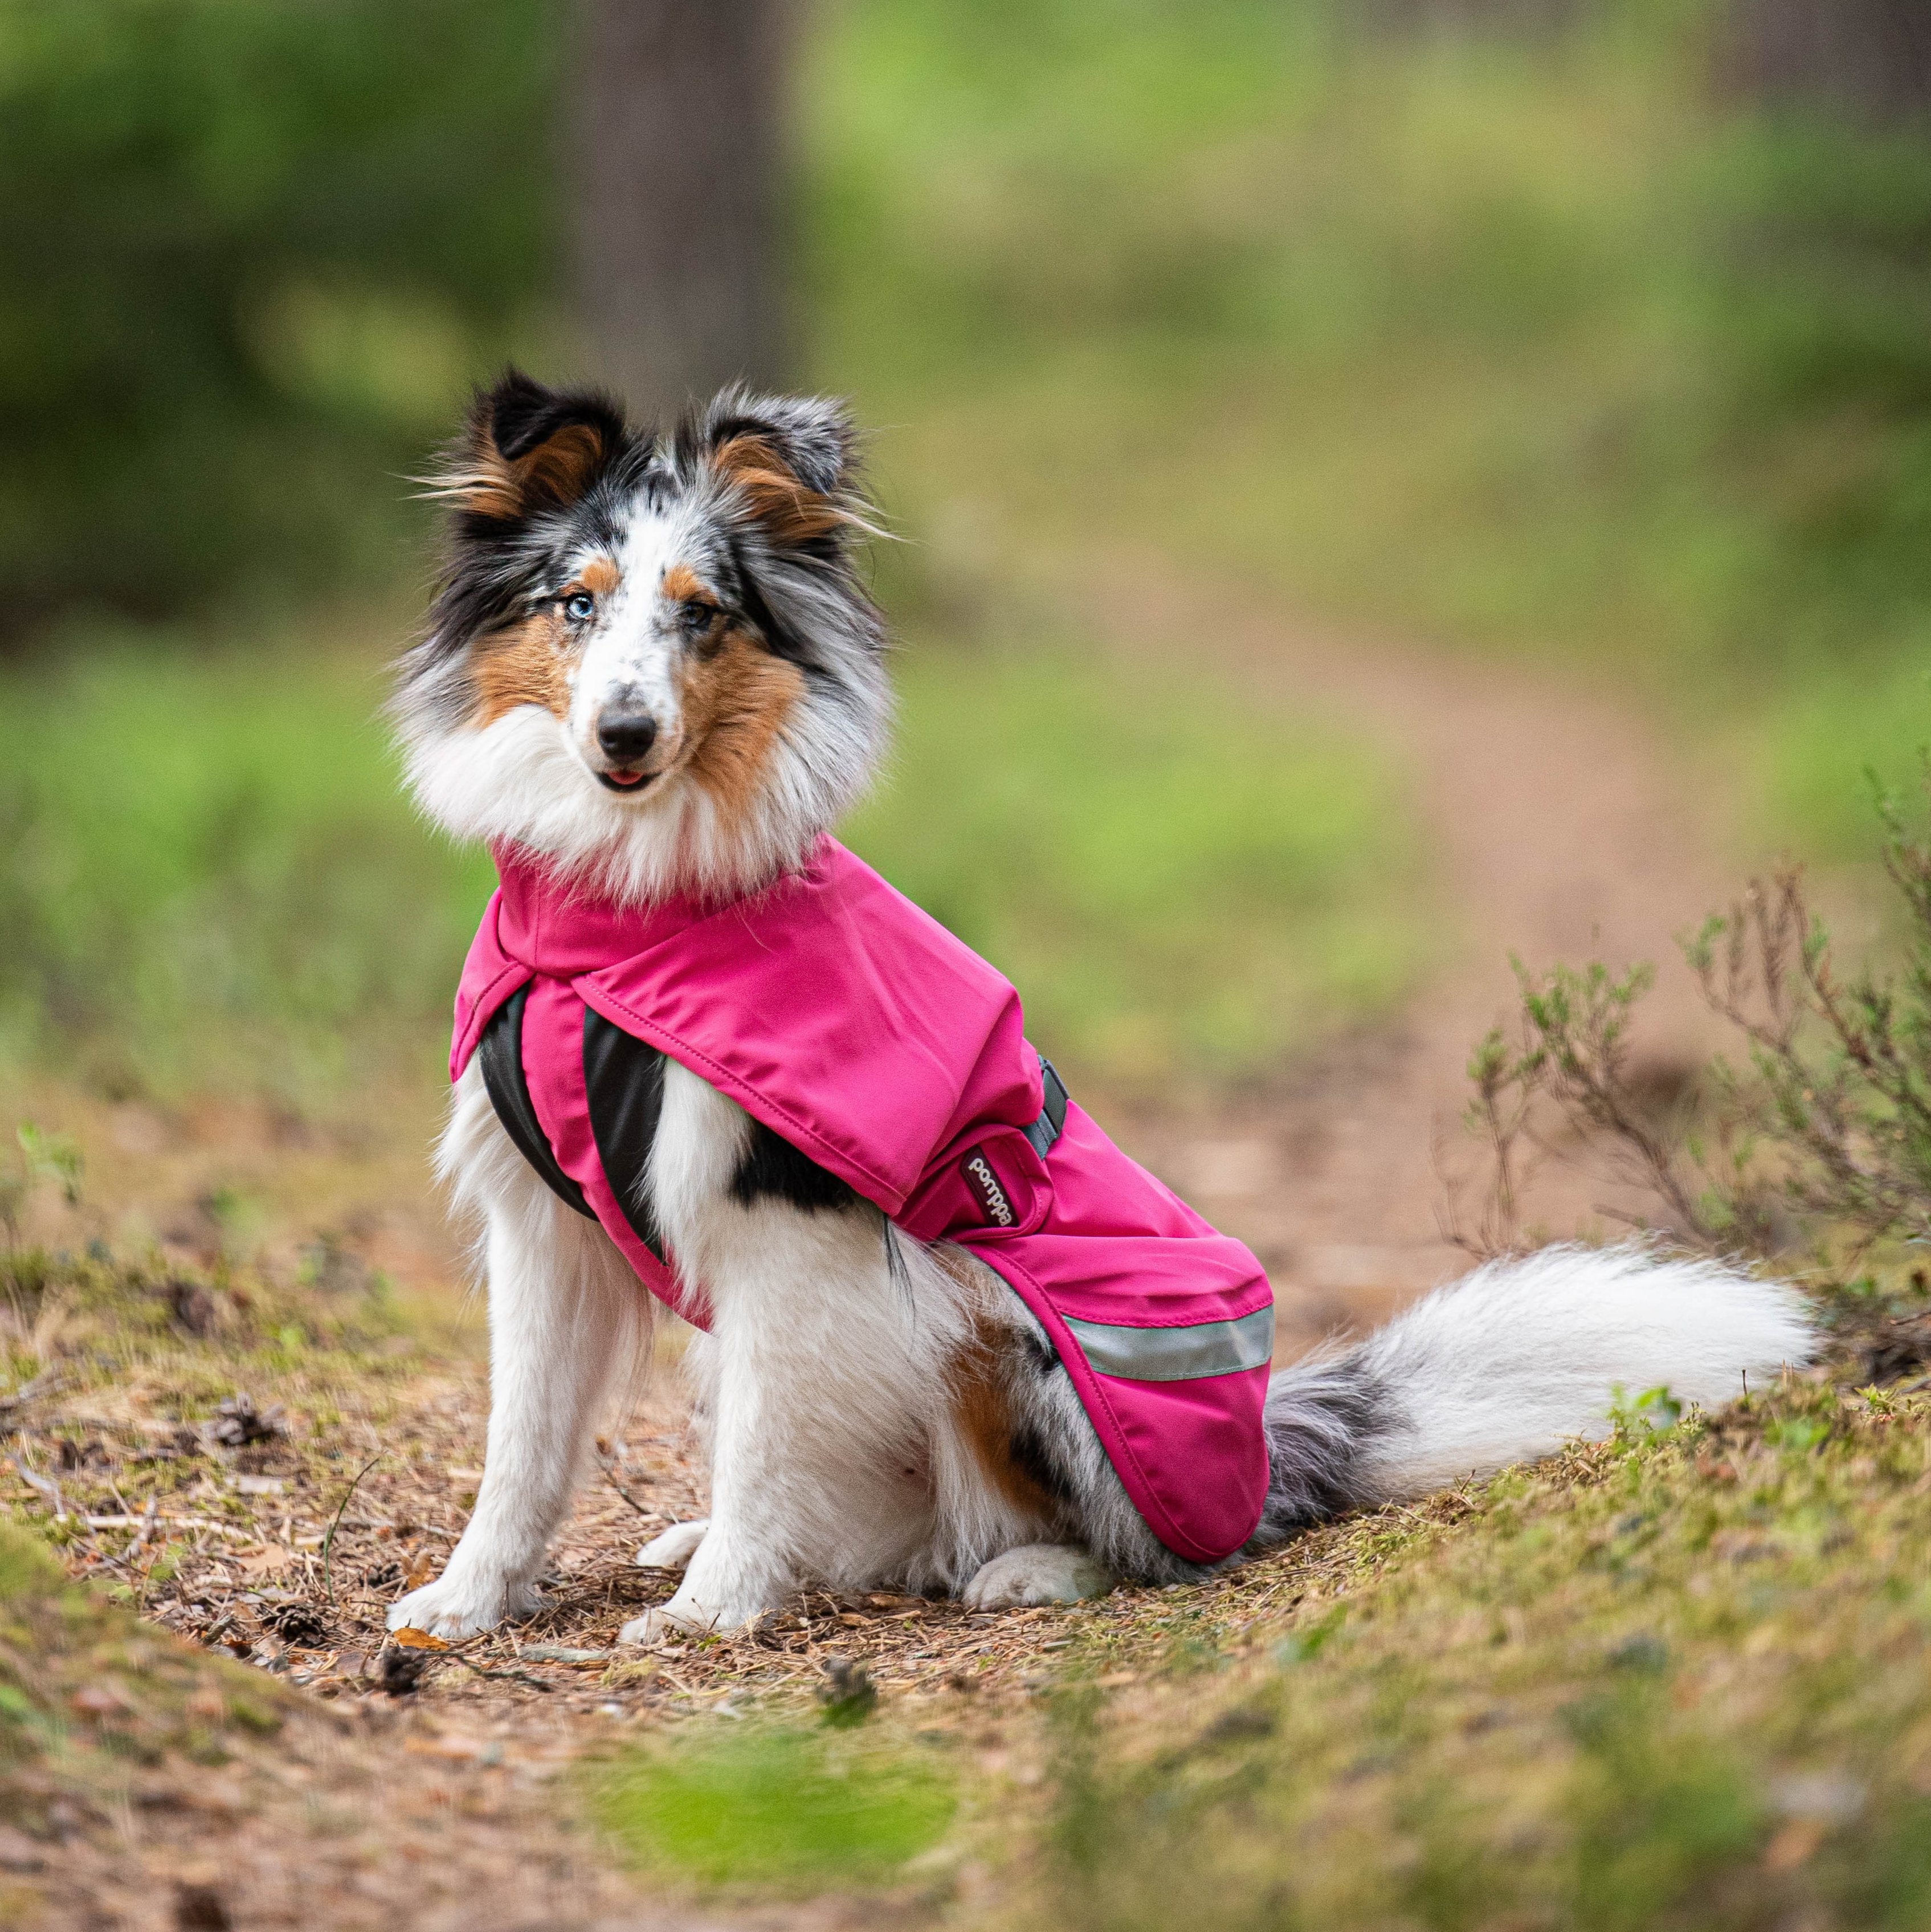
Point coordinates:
[(579, 606), (696, 618)]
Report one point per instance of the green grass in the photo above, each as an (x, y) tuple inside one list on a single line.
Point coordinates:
[(214, 881), (1682, 1680), (212, 878), (772, 1807)]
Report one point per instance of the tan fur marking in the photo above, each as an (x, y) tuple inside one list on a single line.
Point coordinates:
[(735, 702), (600, 577), (681, 583), (979, 1409), (487, 489), (792, 513), (528, 663), (560, 467), (556, 469)]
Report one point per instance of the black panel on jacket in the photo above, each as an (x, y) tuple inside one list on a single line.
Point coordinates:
[(623, 1083), (499, 1052), (773, 1168), (623, 1080)]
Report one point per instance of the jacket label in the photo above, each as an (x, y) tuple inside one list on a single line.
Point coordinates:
[(984, 1184)]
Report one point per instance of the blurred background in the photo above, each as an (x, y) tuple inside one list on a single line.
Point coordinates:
[(1380, 482)]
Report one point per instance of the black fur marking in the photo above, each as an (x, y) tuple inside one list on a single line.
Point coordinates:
[(772, 1167), (1320, 1417), (895, 1266), (1038, 1345), (523, 413), (1029, 1455), (778, 638)]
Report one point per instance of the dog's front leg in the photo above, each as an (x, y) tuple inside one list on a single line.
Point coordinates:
[(742, 1566), (561, 1303), (815, 1395)]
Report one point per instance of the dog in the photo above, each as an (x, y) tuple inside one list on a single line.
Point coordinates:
[(652, 672)]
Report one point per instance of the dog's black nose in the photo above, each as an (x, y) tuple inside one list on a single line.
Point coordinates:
[(626, 733)]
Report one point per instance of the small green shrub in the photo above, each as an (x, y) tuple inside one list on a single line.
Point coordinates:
[(1821, 1136)]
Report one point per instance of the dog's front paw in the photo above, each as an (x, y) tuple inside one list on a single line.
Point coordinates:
[(684, 1616), (453, 1607), (675, 1548), (653, 1626), (1037, 1572)]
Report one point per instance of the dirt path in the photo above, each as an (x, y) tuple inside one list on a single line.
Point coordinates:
[(1563, 832)]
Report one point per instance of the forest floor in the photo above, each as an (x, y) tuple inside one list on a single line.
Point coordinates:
[(159, 1782)]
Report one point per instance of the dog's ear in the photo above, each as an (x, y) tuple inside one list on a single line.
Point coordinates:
[(793, 461), (526, 449)]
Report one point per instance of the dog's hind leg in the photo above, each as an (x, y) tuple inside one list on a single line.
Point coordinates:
[(1037, 1513), (563, 1305), (674, 1549), (1037, 1572)]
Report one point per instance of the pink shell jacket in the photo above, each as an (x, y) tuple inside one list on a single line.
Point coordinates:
[(861, 1032)]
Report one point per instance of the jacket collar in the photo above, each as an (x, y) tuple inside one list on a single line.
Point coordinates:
[(561, 930)]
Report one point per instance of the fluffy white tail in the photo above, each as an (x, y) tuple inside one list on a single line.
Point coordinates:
[(1511, 1362)]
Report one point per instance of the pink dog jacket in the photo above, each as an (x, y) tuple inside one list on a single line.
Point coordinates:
[(861, 1032)]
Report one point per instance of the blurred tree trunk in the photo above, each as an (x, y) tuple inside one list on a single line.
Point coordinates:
[(678, 114), (1871, 55)]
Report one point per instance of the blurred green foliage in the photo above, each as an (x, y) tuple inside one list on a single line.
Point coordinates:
[(771, 1807), (1519, 338), (235, 893), (1531, 345), (240, 896), (1526, 344), (1177, 885), (1509, 336), (250, 256)]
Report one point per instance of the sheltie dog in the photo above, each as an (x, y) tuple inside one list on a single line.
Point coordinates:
[(652, 664)]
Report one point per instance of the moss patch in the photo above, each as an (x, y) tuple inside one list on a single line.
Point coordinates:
[(96, 1707), (1674, 1681)]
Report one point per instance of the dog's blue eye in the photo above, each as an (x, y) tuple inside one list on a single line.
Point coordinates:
[(580, 608)]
